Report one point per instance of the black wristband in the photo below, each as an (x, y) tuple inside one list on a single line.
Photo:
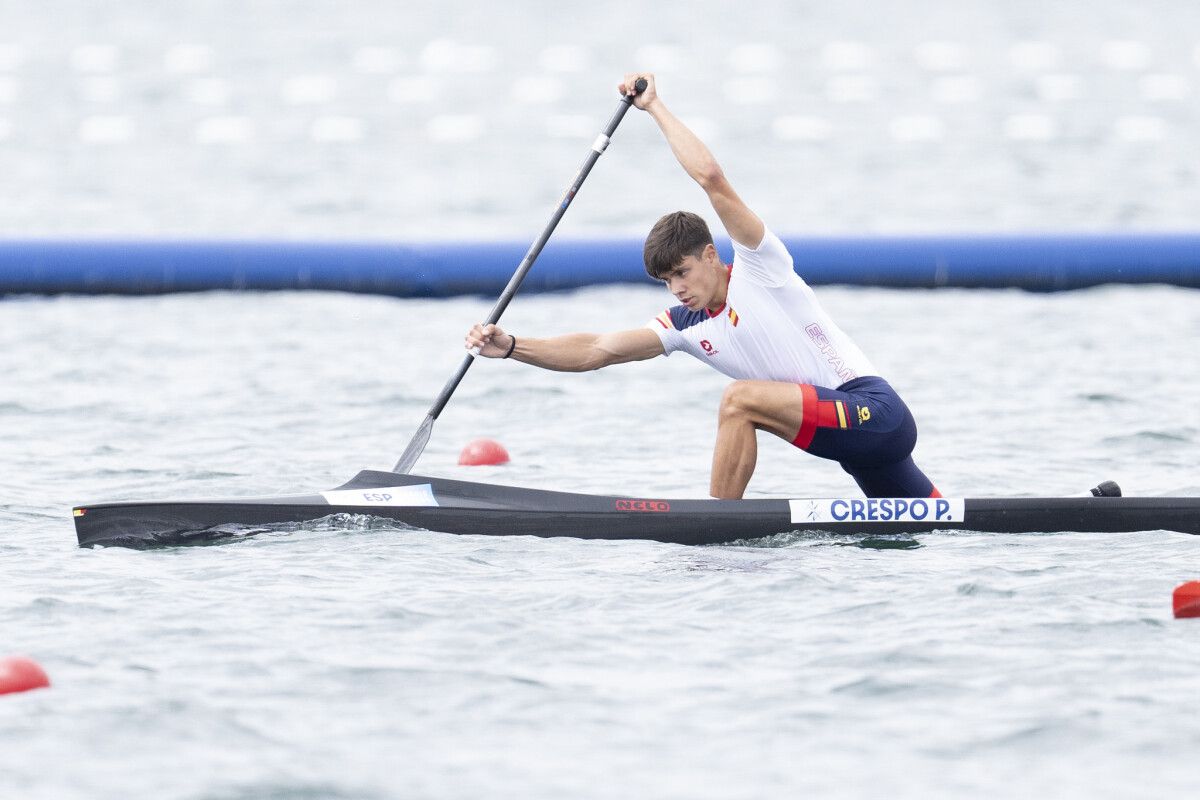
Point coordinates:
[(512, 346)]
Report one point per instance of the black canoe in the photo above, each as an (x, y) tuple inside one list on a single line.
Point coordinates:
[(450, 506)]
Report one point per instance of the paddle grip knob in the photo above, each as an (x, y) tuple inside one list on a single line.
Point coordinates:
[(639, 85)]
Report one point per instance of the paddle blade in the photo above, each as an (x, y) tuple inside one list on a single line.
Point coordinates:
[(415, 447)]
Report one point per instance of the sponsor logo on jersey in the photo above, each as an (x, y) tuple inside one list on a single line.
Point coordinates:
[(878, 509), (709, 350), (643, 505)]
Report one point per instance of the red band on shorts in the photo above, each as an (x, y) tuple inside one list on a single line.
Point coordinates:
[(808, 421), (818, 414)]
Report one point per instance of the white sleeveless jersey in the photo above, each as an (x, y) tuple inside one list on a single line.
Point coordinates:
[(771, 327)]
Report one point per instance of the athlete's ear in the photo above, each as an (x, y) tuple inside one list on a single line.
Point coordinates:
[(710, 254)]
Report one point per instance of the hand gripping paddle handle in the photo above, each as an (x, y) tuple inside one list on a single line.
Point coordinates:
[(417, 445)]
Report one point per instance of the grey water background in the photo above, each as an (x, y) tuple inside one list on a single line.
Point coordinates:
[(307, 118), (355, 660), (350, 659)]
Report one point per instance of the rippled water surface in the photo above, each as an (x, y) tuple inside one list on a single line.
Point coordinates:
[(357, 660), (459, 118), (350, 659)]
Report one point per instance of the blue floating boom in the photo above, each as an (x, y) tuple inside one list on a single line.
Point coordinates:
[(439, 269)]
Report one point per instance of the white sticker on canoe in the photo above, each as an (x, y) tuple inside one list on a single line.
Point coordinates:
[(418, 495), (878, 509)]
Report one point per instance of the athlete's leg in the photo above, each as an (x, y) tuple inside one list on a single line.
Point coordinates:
[(902, 479), (746, 407), (866, 427)]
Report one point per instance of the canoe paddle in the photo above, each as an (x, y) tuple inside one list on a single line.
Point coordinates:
[(421, 437)]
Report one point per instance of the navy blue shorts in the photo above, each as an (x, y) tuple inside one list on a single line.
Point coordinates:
[(865, 426)]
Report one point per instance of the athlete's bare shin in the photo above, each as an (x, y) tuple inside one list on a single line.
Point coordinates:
[(746, 407), (734, 458)]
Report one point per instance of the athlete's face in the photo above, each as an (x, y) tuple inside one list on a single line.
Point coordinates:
[(698, 281)]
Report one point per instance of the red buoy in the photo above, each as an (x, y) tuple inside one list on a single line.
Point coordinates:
[(1187, 600), (483, 453), (19, 674)]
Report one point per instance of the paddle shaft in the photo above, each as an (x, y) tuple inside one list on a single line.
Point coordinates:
[(417, 445)]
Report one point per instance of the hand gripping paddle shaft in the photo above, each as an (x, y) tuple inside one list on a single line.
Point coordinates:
[(421, 437)]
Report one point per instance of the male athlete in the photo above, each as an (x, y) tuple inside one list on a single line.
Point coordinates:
[(796, 374)]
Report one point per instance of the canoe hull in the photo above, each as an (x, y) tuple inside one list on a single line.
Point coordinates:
[(461, 507)]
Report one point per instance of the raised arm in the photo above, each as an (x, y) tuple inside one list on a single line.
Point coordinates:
[(575, 352), (742, 224)]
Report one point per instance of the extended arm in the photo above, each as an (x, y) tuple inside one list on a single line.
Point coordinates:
[(742, 224), (574, 352)]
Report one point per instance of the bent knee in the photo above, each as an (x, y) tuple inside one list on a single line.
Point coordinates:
[(738, 401)]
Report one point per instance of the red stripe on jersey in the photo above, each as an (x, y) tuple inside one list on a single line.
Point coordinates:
[(711, 314)]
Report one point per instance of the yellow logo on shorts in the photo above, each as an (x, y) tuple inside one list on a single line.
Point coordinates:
[(864, 414)]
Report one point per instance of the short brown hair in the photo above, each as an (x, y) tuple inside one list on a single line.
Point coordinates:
[(673, 238)]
